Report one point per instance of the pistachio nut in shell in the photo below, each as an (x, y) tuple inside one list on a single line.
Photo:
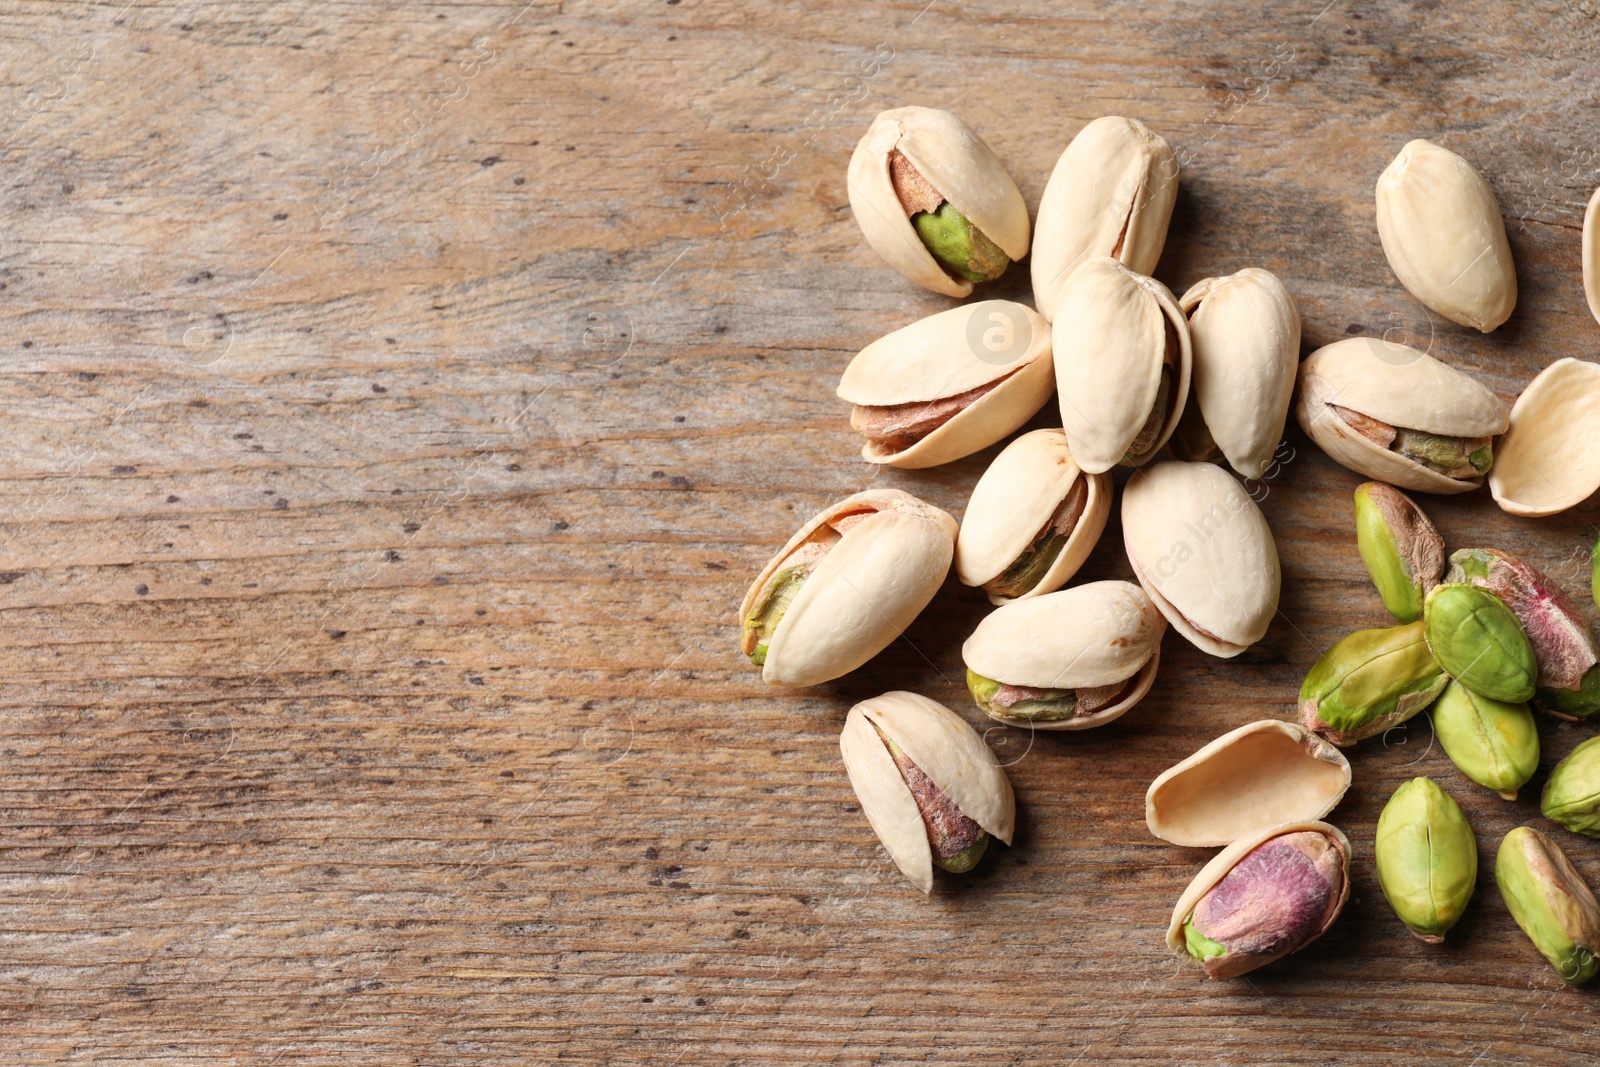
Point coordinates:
[(1264, 896), (1369, 681), (1493, 742), (845, 586), (1403, 552), (1562, 642), (1398, 415), (927, 783), (1427, 858), (1244, 332), (935, 201), (1245, 781), (1110, 194), (1203, 551), (1122, 364), (949, 384), (1067, 660), (1549, 460), (1572, 792), (1479, 642), (1591, 255), (1442, 232), (1550, 901), (1032, 520)]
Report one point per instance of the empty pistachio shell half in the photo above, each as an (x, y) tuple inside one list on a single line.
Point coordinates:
[(950, 384), (1442, 231), (1562, 642), (1427, 858), (1203, 551), (1572, 792), (1368, 682), (1122, 364), (935, 201), (1479, 642), (1403, 552), (1245, 333), (1591, 255), (927, 783), (1549, 460), (1245, 781), (845, 586), (1111, 194), (1493, 742), (1033, 519), (1264, 896), (1067, 660), (1399, 415), (1550, 901)]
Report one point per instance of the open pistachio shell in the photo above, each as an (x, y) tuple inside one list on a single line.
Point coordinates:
[(960, 167), (1122, 363), (948, 751), (866, 567), (1245, 333), (1111, 194), (1203, 551), (1549, 460), (1591, 255), (1389, 387), (1103, 636), (1013, 523), (1246, 780)]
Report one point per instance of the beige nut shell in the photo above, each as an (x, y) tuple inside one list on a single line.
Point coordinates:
[(1591, 255), (1549, 460), (948, 751), (1012, 502), (1246, 780), (959, 164)]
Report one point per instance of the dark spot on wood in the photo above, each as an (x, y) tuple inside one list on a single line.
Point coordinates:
[(678, 418), (280, 504), (335, 634), (391, 556), (124, 469), (680, 482), (280, 216), (172, 499), (513, 466), (7, 577), (651, 853), (653, 881), (1353, 329), (658, 474), (488, 161), (243, 436), (590, 705), (86, 376), (389, 341), (205, 581), (698, 1000), (411, 527), (518, 181), (27, 344), (141, 590), (508, 774), (713, 565), (558, 525), (474, 679), (376, 388)]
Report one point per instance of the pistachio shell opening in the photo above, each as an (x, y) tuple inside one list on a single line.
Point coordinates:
[(1549, 460), (1549, 900), (1427, 858), (1403, 552)]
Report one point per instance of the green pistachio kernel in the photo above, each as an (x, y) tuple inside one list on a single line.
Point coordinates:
[(1404, 554), (1479, 642), (1199, 945), (958, 245), (766, 615), (1550, 901), (1052, 705), (1494, 743), (1427, 858), (1572, 793), (1368, 682)]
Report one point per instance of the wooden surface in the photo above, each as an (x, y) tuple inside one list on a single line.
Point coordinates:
[(398, 399)]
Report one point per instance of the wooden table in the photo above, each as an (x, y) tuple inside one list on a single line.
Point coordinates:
[(399, 399)]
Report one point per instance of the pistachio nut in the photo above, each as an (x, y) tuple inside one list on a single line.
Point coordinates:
[(1033, 519), (935, 201), (1245, 334), (1550, 901), (1562, 643), (1549, 460), (1493, 742), (1572, 792), (927, 783), (1264, 896), (1111, 194), (1403, 552), (1479, 642), (1427, 858), (1399, 415), (1584, 703), (1441, 229), (1245, 781), (949, 384), (1368, 682), (1591, 255), (1122, 364), (1067, 660), (1203, 551), (845, 586)]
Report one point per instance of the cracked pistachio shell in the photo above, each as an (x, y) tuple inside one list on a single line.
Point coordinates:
[(1013, 501), (1549, 460), (1112, 329), (1572, 792), (1269, 902), (946, 355), (1368, 682), (1098, 634), (872, 583), (1591, 255), (1493, 742), (1111, 194), (1203, 551), (964, 170), (1245, 781), (1403, 387), (1562, 642), (1549, 900), (1403, 552), (1479, 642), (1446, 242), (1245, 335), (1427, 858), (946, 749)]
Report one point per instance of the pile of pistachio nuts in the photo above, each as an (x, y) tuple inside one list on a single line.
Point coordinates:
[(1181, 389)]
